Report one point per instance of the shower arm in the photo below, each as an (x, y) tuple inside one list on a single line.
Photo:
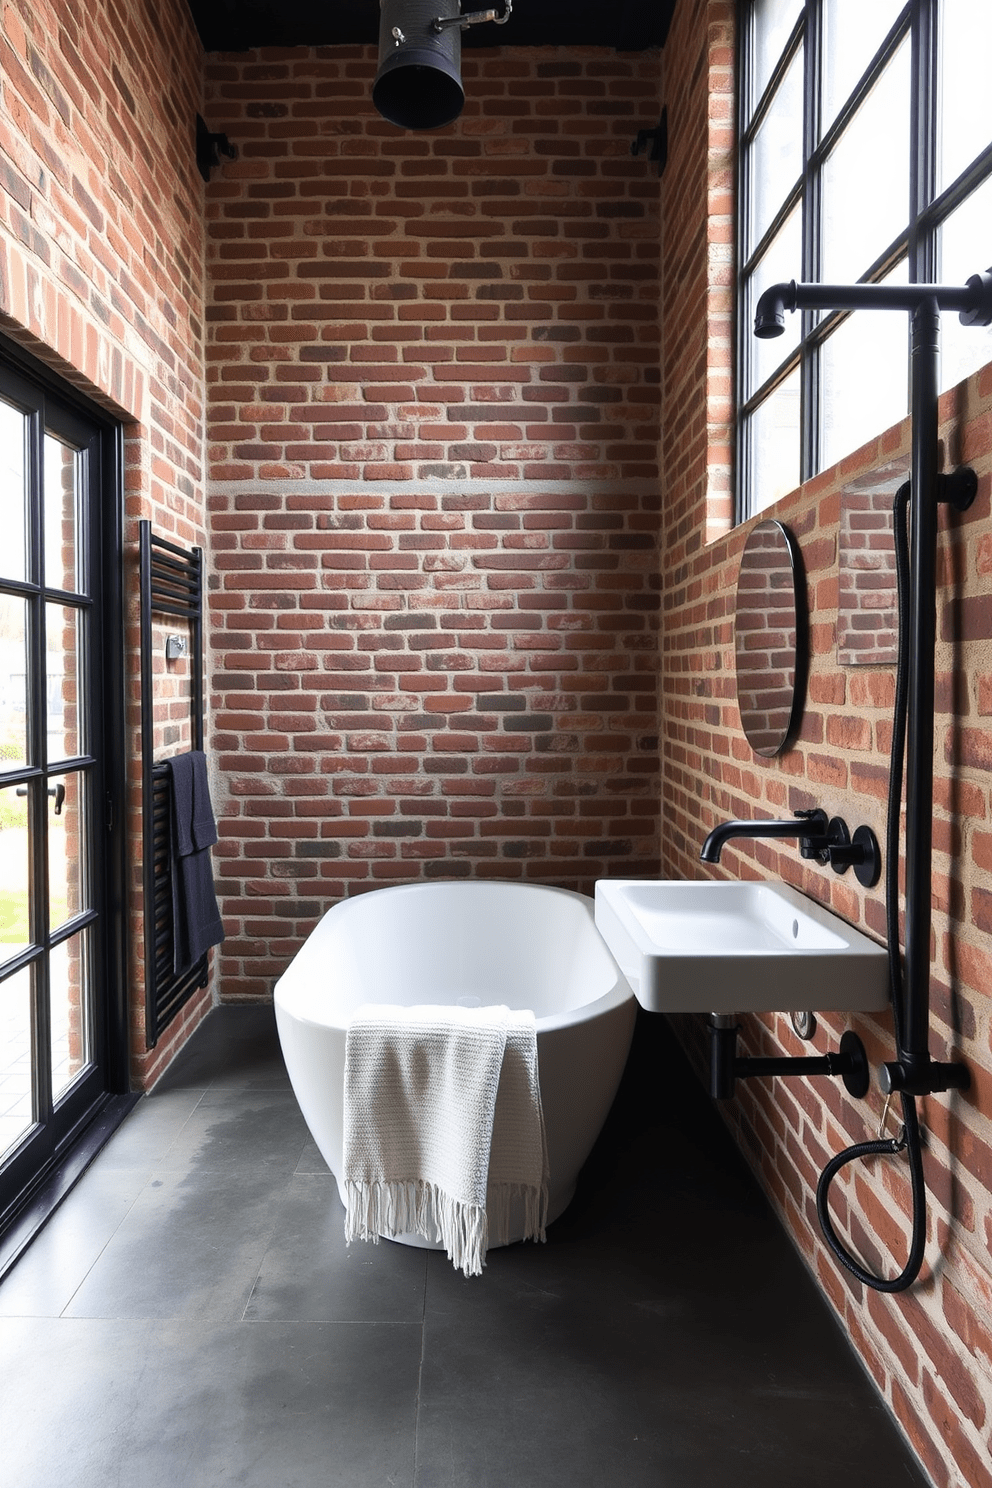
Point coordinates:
[(913, 1072)]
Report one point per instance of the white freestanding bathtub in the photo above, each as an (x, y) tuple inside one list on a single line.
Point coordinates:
[(475, 943)]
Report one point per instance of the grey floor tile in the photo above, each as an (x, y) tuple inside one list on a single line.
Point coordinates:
[(56, 1263), (190, 1247), (526, 1367), (309, 1272), (164, 1405), (243, 1131), (150, 1130)]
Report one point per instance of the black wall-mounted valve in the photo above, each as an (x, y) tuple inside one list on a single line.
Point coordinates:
[(860, 852), (657, 138), (210, 147)]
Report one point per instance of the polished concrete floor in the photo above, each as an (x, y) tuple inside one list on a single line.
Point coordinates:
[(190, 1317)]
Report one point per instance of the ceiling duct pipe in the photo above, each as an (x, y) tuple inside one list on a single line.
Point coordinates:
[(418, 84)]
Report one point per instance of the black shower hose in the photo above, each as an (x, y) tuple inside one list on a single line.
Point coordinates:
[(910, 1138)]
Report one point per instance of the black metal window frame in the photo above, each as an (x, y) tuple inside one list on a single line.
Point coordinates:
[(916, 243), (92, 1108)]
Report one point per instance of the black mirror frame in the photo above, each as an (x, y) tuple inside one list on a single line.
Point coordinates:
[(801, 659)]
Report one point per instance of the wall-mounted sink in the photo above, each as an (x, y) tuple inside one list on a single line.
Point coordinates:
[(719, 947)]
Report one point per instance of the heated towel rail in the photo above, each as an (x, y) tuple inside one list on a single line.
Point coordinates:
[(171, 583)]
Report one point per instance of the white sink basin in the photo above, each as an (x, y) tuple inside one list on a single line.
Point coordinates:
[(718, 947)]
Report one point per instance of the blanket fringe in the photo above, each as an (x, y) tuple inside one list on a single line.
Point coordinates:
[(388, 1209), (391, 1209)]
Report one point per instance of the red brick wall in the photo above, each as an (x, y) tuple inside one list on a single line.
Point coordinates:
[(101, 275), (929, 1351), (433, 373)]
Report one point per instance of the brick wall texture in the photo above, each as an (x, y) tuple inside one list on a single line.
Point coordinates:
[(101, 276), (469, 398), (433, 390), (929, 1350)]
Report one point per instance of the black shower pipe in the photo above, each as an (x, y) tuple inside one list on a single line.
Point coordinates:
[(914, 1072)]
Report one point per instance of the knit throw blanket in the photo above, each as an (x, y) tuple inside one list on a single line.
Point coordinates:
[(443, 1127)]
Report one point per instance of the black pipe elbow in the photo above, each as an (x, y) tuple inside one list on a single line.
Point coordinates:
[(769, 315)]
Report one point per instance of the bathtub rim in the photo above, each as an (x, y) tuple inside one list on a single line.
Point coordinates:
[(619, 993)]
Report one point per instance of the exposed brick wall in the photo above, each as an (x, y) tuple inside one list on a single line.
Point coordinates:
[(101, 276), (433, 371), (930, 1351)]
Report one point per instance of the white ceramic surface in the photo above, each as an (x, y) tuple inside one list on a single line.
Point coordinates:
[(474, 943), (722, 947)]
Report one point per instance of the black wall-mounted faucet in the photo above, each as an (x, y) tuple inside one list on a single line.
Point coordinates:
[(822, 839)]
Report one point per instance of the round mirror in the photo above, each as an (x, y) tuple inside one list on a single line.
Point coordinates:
[(771, 638)]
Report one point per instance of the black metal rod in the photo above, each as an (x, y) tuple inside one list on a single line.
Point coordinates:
[(922, 641)]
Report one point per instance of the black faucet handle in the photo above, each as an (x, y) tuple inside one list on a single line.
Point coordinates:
[(815, 843)]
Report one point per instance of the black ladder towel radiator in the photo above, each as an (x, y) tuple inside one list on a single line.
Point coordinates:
[(171, 583)]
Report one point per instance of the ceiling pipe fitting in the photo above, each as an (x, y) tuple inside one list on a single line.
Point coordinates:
[(418, 84)]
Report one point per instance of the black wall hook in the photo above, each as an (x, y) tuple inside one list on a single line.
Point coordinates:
[(210, 147), (658, 140)]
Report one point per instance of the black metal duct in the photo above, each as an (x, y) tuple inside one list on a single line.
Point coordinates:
[(418, 84)]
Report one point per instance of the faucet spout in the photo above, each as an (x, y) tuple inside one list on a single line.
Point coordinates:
[(809, 826)]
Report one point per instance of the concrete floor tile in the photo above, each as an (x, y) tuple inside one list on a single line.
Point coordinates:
[(190, 1247), (308, 1271), (168, 1405)]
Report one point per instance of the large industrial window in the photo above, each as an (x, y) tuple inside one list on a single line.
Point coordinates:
[(865, 154)]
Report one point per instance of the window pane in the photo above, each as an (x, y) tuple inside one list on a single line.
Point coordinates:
[(13, 684), (15, 930), (773, 22), (63, 641), (781, 261), (61, 540), (69, 888), (866, 179), (16, 1113), (853, 32), (965, 249), (864, 378), (774, 445), (966, 97), (69, 970), (13, 558), (776, 155)]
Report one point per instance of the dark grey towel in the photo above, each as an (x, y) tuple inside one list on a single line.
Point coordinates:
[(195, 916)]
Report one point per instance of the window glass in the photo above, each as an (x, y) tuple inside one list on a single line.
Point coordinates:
[(774, 449), (966, 94), (965, 249), (70, 1015), (865, 371), (773, 21), (866, 179), (13, 553), (15, 872), (776, 155), (781, 261), (61, 518), (853, 31), (65, 638), (16, 1110), (13, 683)]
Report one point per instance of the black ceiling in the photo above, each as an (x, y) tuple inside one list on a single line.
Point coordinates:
[(237, 25)]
